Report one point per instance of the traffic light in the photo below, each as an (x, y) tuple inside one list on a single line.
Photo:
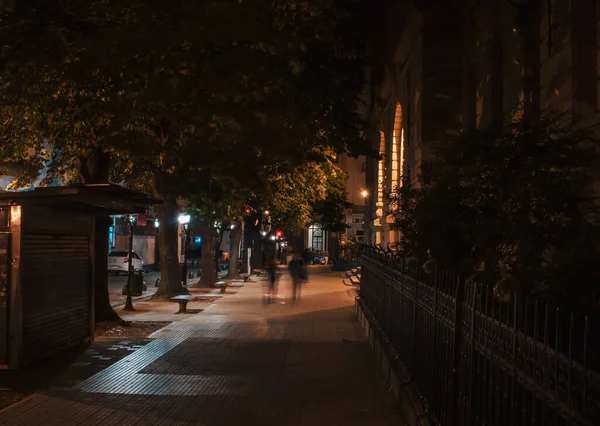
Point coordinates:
[(279, 234)]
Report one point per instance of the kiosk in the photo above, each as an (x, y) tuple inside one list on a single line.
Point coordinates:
[(47, 266)]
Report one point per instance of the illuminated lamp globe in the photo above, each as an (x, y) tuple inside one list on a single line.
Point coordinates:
[(184, 219)]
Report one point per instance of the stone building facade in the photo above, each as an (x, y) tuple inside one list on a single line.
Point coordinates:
[(441, 67)]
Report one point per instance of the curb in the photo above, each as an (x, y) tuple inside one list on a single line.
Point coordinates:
[(141, 298), (135, 299)]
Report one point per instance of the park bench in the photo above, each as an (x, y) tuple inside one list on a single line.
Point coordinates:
[(183, 300), (223, 285), (245, 277), (257, 272)]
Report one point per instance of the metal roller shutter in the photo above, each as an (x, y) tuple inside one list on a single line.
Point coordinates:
[(56, 292)]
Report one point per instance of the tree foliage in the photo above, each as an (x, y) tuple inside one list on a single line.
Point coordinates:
[(511, 205), (205, 101), (296, 195)]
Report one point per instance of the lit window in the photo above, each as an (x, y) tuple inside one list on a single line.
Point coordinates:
[(381, 175), (397, 148)]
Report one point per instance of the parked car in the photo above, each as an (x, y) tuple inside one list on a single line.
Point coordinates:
[(118, 261), (319, 260), (223, 270)]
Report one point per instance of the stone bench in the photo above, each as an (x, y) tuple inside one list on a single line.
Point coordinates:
[(223, 285), (183, 300), (245, 277), (257, 272)]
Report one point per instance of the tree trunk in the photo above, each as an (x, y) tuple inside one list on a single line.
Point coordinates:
[(103, 311), (94, 169), (253, 241), (247, 245), (234, 249), (168, 238), (207, 262), (256, 259), (218, 239)]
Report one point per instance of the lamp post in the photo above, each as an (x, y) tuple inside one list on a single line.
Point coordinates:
[(184, 219), (365, 194), (129, 302), (366, 217)]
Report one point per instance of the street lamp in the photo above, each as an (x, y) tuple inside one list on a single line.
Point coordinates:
[(366, 216), (184, 219), (365, 194)]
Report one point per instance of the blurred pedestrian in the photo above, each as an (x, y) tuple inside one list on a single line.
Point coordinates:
[(298, 274), (273, 281)]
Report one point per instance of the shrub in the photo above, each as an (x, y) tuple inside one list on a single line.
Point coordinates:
[(514, 204)]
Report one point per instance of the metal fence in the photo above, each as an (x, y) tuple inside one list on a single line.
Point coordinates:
[(477, 360)]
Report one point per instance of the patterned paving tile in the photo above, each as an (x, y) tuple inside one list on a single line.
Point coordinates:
[(238, 363), (222, 357)]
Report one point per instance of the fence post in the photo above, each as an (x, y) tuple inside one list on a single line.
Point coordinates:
[(458, 315)]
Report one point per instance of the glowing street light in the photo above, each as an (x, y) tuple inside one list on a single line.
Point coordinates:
[(273, 237), (364, 193), (184, 219)]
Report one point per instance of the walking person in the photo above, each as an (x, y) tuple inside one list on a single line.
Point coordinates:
[(273, 279), (298, 274)]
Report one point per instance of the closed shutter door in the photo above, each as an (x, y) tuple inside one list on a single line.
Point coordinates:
[(56, 285)]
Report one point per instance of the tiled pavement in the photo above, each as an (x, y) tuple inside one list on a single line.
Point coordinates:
[(237, 363)]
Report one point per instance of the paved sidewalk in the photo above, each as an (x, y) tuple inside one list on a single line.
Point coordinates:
[(238, 362)]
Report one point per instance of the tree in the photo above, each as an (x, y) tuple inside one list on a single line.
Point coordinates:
[(333, 208), (167, 95), (291, 192)]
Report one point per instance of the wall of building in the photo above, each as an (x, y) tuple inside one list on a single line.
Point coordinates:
[(416, 101), (456, 66)]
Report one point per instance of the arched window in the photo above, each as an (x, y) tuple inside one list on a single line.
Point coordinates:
[(397, 148)]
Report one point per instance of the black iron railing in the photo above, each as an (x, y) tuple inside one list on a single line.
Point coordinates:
[(477, 359)]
